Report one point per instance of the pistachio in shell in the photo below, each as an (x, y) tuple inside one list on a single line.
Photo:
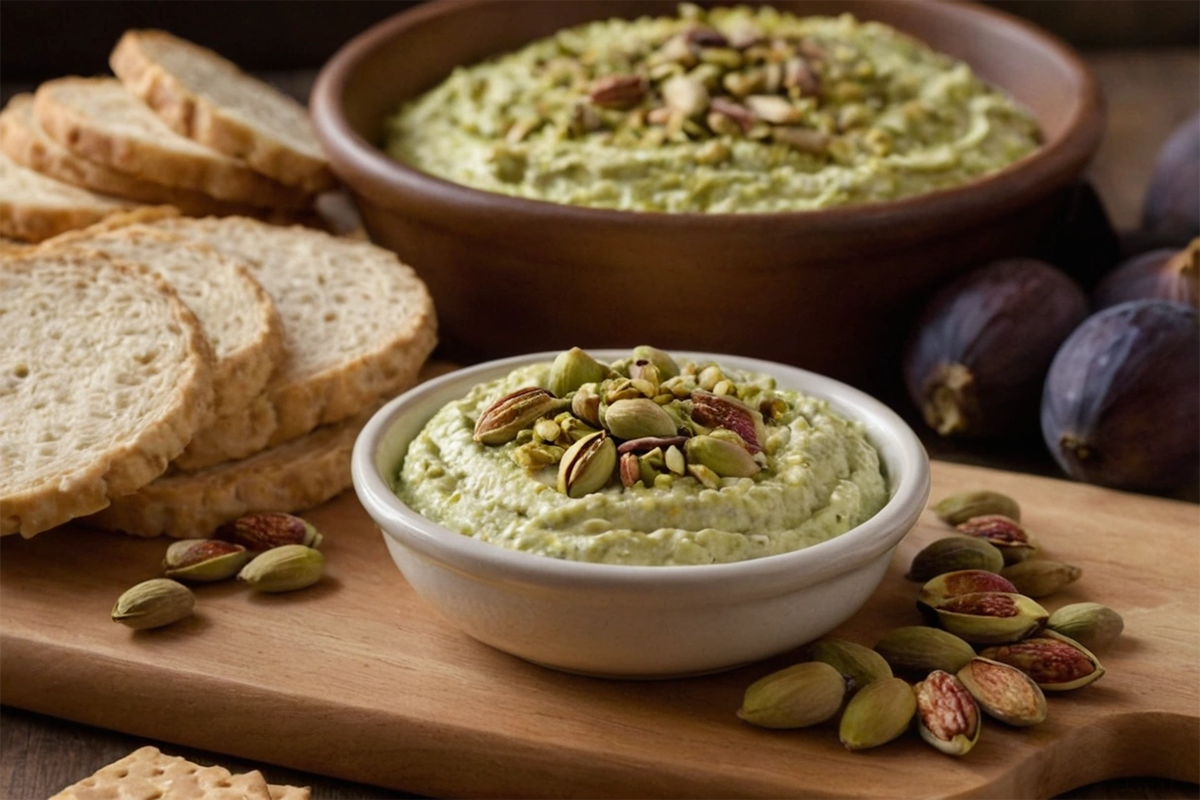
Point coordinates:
[(1014, 542), (638, 418), (1055, 662), (962, 506), (153, 604), (1041, 577), (573, 368), (878, 713), (991, 617), (1004, 692), (796, 697), (918, 650), (947, 714), (861, 664), (938, 590), (953, 553), (1092, 625)]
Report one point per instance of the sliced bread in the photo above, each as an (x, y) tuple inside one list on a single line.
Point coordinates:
[(357, 323), (97, 119), (24, 141), (105, 376), (209, 99), (34, 207), (291, 477)]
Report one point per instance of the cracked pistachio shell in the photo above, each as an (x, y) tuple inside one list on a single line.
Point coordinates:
[(862, 664), (796, 697), (877, 714), (991, 617), (1007, 535), (204, 560), (961, 507), (952, 553), (283, 569), (1055, 662), (153, 604), (587, 465), (947, 714), (572, 369), (666, 365), (920, 650), (511, 414), (1004, 692), (937, 591), (1093, 625)]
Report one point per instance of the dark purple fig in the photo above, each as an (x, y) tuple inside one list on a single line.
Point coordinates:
[(1166, 274), (1172, 203), (979, 354), (1122, 397)]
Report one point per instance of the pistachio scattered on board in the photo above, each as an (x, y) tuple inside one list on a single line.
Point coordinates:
[(977, 593), (283, 569), (153, 604)]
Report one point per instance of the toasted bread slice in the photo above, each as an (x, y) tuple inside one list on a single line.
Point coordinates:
[(290, 477), (24, 141), (207, 98), (95, 404), (357, 323), (34, 207), (97, 119)]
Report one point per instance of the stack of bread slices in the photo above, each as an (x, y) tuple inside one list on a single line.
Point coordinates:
[(179, 125), (162, 373)]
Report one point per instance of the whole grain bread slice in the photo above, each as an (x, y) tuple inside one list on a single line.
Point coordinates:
[(24, 141), (105, 374), (290, 477), (357, 323), (97, 119), (209, 99), (34, 207)]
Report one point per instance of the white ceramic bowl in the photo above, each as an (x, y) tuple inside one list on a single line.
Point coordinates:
[(638, 621)]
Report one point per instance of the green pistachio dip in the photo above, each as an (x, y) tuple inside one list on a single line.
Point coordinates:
[(644, 460), (723, 111)]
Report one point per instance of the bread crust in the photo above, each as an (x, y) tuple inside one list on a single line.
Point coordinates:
[(188, 111), (156, 161), (53, 472), (41, 213)]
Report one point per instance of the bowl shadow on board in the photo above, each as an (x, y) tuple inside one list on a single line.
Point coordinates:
[(833, 291)]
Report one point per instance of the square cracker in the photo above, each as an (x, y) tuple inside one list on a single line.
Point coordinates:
[(148, 774), (289, 792)]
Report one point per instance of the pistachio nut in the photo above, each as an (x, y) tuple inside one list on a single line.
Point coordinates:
[(1055, 662), (960, 507), (283, 569), (629, 465), (572, 369), (505, 418), (861, 664), (919, 650), (638, 418), (727, 459), (991, 617), (1041, 577), (796, 697), (947, 715), (938, 590), (1014, 542), (534, 456), (1092, 625), (203, 560), (585, 403), (706, 476), (953, 553), (153, 603), (723, 411), (587, 465), (268, 529), (878, 713), (1004, 692), (666, 365)]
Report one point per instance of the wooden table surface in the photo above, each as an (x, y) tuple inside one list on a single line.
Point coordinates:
[(1148, 93)]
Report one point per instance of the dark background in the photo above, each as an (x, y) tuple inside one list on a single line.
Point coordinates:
[(47, 38)]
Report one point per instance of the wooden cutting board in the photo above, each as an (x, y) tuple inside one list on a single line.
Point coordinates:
[(358, 679)]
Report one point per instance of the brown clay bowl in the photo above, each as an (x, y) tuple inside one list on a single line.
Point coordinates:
[(833, 290)]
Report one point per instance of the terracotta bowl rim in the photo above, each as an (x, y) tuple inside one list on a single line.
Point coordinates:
[(364, 166)]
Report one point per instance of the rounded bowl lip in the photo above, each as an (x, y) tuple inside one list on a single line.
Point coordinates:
[(846, 552), (1053, 163)]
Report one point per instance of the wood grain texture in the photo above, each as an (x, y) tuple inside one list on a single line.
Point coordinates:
[(358, 679)]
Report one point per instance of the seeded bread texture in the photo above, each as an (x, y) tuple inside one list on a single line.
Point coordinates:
[(357, 323), (24, 141), (34, 208), (291, 477), (207, 98), (109, 375), (97, 119)]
